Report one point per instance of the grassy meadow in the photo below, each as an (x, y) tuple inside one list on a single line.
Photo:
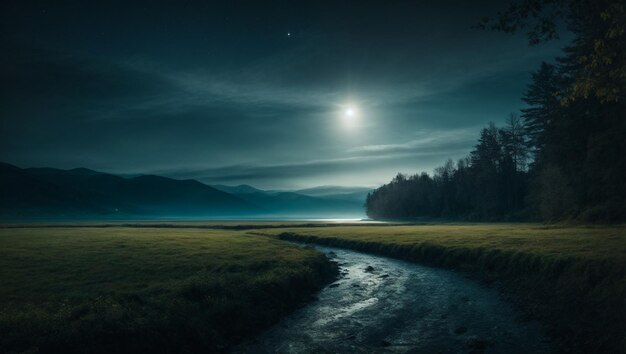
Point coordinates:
[(145, 289), (202, 287), (581, 242), (573, 278)]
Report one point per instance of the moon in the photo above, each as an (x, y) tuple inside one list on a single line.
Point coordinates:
[(349, 116), (350, 111)]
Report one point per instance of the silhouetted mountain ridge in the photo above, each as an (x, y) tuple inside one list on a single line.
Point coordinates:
[(50, 192), (83, 193)]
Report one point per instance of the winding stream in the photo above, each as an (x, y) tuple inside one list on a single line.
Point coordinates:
[(382, 305)]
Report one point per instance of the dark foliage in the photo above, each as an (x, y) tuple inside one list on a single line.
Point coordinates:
[(488, 184)]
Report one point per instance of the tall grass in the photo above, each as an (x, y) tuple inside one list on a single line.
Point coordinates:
[(121, 290)]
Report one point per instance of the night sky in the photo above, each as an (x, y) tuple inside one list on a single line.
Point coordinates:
[(283, 94)]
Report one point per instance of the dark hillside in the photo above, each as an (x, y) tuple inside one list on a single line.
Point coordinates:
[(48, 192)]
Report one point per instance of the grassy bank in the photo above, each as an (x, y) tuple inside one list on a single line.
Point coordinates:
[(572, 278), (146, 290)]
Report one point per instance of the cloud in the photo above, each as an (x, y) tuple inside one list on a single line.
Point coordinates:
[(241, 172), (301, 78), (310, 79), (310, 169), (426, 142)]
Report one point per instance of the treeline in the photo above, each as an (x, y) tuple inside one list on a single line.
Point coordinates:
[(491, 183), (564, 157)]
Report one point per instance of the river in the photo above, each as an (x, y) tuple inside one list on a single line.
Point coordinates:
[(383, 305)]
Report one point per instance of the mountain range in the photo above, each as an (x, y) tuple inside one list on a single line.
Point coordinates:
[(49, 193)]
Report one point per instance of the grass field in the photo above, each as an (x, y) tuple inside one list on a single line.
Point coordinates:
[(146, 290), (176, 287), (573, 278), (583, 242)]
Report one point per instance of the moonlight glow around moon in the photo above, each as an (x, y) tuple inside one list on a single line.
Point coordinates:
[(350, 111), (349, 115)]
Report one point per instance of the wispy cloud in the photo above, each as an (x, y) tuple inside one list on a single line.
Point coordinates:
[(427, 141), (246, 173), (258, 84)]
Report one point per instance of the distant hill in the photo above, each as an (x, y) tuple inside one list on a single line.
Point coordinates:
[(356, 194), (55, 193), (297, 204), (240, 189), (82, 193)]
